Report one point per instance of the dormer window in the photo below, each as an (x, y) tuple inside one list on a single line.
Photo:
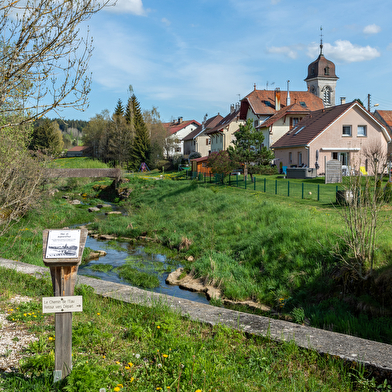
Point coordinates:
[(326, 71)]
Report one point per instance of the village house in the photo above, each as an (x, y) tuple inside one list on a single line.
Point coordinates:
[(198, 140), (342, 132), (222, 135), (176, 130), (77, 151)]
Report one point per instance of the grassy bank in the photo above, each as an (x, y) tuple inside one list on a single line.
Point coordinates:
[(251, 245), (125, 347)]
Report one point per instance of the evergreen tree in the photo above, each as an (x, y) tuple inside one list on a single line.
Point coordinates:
[(141, 148), (47, 137), (248, 149), (119, 111)]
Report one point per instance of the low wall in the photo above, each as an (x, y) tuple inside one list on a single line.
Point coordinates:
[(62, 173)]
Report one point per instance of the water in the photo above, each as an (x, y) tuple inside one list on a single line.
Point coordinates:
[(117, 257)]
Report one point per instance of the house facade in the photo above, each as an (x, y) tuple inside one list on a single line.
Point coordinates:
[(276, 111), (344, 132), (198, 140), (77, 151), (176, 131), (222, 135)]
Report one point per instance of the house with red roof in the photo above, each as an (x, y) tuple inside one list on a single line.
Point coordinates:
[(77, 151), (275, 112), (342, 132), (176, 130), (385, 117), (198, 140), (223, 134)]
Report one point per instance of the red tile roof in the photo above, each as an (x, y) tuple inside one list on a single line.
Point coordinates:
[(210, 123), (262, 102), (385, 116), (78, 148), (173, 128), (311, 126)]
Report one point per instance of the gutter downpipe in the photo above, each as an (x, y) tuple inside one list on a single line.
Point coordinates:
[(307, 149)]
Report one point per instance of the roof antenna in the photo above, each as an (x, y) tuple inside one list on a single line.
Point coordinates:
[(321, 41)]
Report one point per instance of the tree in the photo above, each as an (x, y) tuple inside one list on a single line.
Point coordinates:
[(220, 163), (21, 175), (43, 58), (47, 138), (94, 135), (141, 147), (157, 134), (248, 149), (119, 110), (361, 215)]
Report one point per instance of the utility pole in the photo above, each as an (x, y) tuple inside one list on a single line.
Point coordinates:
[(368, 102)]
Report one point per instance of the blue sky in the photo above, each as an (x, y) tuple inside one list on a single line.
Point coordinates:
[(189, 58)]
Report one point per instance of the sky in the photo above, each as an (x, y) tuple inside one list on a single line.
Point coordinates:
[(197, 57)]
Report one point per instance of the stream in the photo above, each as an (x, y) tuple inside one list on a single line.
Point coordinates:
[(156, 264)]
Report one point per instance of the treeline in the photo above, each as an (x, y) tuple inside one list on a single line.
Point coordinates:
[(128, 138)]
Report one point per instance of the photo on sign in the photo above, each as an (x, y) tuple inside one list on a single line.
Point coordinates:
[(63, 244)]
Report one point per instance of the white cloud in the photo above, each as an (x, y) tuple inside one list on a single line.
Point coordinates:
[(285, 50), (126, 7), (372, 29), (166, 22), (345, 52)]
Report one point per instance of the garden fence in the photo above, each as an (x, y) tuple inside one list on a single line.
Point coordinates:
[(325, 193)]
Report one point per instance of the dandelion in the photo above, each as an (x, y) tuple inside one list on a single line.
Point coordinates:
[(164, 355), (132, 379), (117, 362), (103, 356), (120, 385), (137, 356), (158, 326), (198, 390), (126, 367), (98, 314), (159, 365), (130, 364), (50, 338), (116, 389)]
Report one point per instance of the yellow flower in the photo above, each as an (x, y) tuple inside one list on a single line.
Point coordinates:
[(198, 390), (130, 364), (132, 379), (117, 362), (120, 385), (103, 356), (164, 355), (98, 314), (127, 368), (158, 326), (116, 389)]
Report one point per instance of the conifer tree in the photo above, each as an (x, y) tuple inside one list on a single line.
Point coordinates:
[(119, 111), (141, 143)]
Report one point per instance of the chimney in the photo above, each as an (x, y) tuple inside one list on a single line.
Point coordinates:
[(288, 94), (342, 100), (277, 99), (179, 120), (232, 108)]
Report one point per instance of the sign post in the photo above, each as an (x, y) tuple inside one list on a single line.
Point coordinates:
[(62, 253)]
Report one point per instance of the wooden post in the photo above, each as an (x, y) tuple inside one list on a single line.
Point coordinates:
[(64, 273)]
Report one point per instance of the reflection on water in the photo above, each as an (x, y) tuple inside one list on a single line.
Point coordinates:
[(152, 262)]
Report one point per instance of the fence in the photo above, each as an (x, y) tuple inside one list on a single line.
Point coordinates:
[(325, 193)]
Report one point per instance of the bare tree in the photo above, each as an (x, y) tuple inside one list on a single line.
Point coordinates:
[(43, 57), (361, 214)]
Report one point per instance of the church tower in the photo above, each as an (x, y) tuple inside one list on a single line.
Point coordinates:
[(321, 79)]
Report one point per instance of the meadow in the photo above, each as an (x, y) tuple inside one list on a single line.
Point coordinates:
[(125, 347)]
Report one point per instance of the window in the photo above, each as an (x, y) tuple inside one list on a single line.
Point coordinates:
[(256, 123), (326, 71), (294, 121), (178, 149), (299, 158), (346, 130), (334, 155), (327, 95), (290, 157), (361, 130)]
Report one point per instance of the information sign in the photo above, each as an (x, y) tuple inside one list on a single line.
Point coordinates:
[(63, 244), (72, 303)]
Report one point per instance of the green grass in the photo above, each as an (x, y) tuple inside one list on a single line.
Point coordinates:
[(269, 248), (137, 348), (78, 163)]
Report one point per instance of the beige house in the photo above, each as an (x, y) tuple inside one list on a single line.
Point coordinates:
[(222, 135), (198, 140), (342, 132)]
